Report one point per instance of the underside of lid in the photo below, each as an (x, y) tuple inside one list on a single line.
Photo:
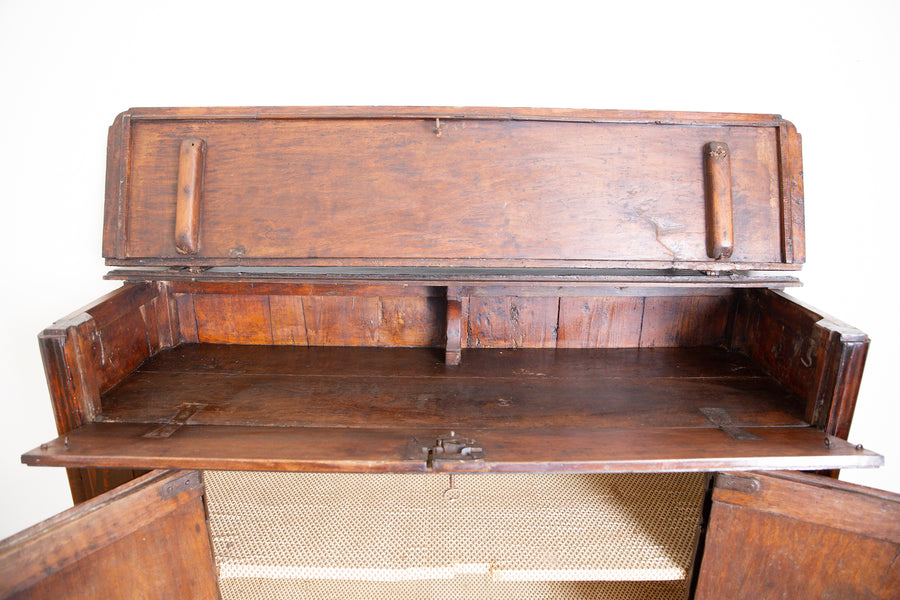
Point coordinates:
[(453, 188)]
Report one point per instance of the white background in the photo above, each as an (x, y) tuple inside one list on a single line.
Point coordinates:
[(67, 68)]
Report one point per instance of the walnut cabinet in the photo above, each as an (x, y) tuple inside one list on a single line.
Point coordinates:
[(455, 352)]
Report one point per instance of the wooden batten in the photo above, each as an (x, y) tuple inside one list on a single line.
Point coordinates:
[(719, 207), (189, 194), (453, 345)]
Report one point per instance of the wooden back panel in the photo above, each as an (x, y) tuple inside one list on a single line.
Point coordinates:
[(447, 187)]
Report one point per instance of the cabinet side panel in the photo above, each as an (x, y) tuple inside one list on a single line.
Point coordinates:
[(813, 355), (87, 353)]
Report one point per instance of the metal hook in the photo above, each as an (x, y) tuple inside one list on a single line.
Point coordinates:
[(437, 127), (453, 494)]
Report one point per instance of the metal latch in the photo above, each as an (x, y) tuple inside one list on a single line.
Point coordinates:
[(449, 452)]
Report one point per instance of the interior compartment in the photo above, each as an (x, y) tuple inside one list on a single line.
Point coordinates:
[(537, 535), (325, 377)]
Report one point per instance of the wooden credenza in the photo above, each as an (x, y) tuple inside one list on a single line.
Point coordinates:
[(460, 322)]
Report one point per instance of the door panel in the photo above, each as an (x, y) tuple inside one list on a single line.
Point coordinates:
[(145, 539), (798, 536)]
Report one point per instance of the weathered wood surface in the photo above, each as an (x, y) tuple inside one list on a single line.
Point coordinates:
[(419, 319), (374, 189), (189, 195), (316, 280), (798, 536), (343, 449), (89, 351), (719, 205), (392, 387), (145, 539), (812, 354)]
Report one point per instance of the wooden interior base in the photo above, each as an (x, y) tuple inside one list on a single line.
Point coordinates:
[(381, 409), (286, 386)]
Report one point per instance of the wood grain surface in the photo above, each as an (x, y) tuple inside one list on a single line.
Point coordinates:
[(342, 449), (393, 387), (146, 539), (800, 536), (378, 186)]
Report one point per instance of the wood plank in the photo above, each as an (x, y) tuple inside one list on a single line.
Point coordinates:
[(98, 481), (451, 112), (109, 307), (373, 321), (800, 536), (811, 498), (252, 319), (288, 322), (684, 321), (117, 161), (214, 315), (121, 346), (771, 558), (522, 363), (150, 316), (167, 316), (147, 538), (384, 387), (88, 352), (410, 321), (228, 319), (600, 322), (793, 157), (334, 401), (187, 319), (506, 449), (280, 283), (429, 281), (505, 321)]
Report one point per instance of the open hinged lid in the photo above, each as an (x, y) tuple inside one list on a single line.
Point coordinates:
[(451, 188)]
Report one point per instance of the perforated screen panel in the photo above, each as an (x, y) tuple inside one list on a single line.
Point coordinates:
[(507, 536)]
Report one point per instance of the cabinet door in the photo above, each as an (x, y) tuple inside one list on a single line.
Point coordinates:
[(145, 539), (797, 536)]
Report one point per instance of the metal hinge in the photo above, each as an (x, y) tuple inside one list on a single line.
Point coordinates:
[(737, 483), (449, 452)]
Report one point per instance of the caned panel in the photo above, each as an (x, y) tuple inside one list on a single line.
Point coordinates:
[(295, 535)]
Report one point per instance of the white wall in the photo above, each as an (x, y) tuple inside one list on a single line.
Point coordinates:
[(67, 68)]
